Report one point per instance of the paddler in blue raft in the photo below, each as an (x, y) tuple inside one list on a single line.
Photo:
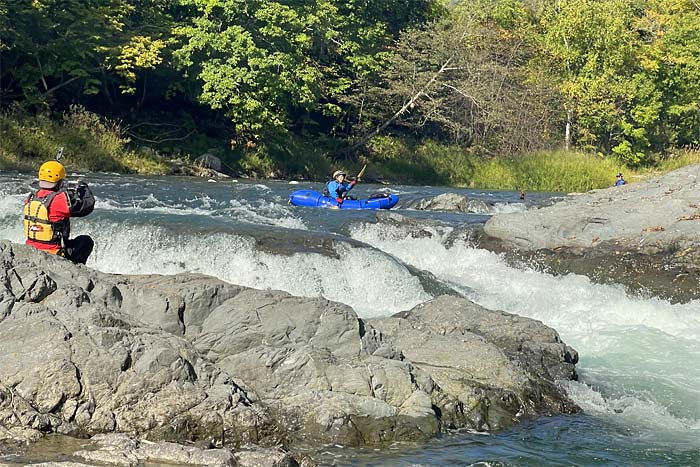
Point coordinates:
[(620, 181), (338, 188)]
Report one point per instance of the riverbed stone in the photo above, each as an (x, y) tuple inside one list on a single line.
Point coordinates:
[(449, 202), (126, 450), (209, 161)]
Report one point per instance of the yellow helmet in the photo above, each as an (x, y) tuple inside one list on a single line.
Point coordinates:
[(52, 172), (338, 173)]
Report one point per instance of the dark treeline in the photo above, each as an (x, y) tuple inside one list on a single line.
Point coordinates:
[(617, 77)]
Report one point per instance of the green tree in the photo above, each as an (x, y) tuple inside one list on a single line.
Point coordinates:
[(50, 46), (628, 72), (271, 65), (465, 79), (671, 59)]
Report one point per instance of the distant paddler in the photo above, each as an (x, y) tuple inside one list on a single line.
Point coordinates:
[(338, 187)]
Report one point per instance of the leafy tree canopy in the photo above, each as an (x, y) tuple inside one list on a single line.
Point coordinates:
[(268, 62)]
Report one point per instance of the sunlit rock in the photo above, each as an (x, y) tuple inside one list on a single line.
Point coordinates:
[(645, 234), (191, 358)]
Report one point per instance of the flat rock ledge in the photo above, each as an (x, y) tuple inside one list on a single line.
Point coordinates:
[(190, 359), (118, 449), (645, 234)]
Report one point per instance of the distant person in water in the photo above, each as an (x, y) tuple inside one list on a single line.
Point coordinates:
[(338, 188), (47, 214), (522, 194), (620, 181)]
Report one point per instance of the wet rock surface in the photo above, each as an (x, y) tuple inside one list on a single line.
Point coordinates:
[(449, 202), (191, 359)]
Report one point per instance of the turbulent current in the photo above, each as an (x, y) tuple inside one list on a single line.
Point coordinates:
[(639, 373)]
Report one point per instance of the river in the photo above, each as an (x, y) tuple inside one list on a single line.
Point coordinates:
[(639, 372)]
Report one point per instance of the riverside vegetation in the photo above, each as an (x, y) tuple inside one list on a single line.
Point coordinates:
[(509, 94)]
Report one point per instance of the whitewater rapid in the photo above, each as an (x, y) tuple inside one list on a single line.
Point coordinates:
[(638, 354), (638, 368)]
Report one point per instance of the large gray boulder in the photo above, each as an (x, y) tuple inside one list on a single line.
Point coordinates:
[(476, 357), (191, 358), (449, 202), (649, 216), (645, 235), (83, 353), (208, 161)]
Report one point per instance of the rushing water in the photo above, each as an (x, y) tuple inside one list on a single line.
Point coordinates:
[(639, 368)]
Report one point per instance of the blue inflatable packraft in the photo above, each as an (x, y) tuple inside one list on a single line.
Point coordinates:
[(314, 199)]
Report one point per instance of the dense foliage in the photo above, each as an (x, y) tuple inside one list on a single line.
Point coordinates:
[(492, 77)]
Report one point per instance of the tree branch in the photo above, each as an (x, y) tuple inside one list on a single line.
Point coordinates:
[(146, 140), (459, 91), (59, 86), (403, 109), (41, 72)]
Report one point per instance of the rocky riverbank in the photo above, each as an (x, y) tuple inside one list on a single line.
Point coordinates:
[(191, 359), (645, 235)]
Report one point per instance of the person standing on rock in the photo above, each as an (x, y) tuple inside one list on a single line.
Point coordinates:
[(47, 214), (620, 181), (338, 187)]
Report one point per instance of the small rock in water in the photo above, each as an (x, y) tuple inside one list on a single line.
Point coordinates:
[(211, 180)]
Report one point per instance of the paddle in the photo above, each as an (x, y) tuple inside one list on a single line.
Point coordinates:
[(356, 178), (70, 185)]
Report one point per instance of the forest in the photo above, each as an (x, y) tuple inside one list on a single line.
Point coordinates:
[(425, 91)]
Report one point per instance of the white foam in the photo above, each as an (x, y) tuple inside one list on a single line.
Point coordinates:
[(369, 280), (508, 207), (263, 212), (639, 411), (257, 212), (571, 302), (255, 187), (11, 217), (152, 204), (646, 344)]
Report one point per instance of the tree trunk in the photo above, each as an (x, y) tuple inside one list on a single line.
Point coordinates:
[(567, 133)]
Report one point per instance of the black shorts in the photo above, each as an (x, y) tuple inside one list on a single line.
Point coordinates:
[(78, 249)]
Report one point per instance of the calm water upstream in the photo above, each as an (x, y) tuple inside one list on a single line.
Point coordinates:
[(640, 357)]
